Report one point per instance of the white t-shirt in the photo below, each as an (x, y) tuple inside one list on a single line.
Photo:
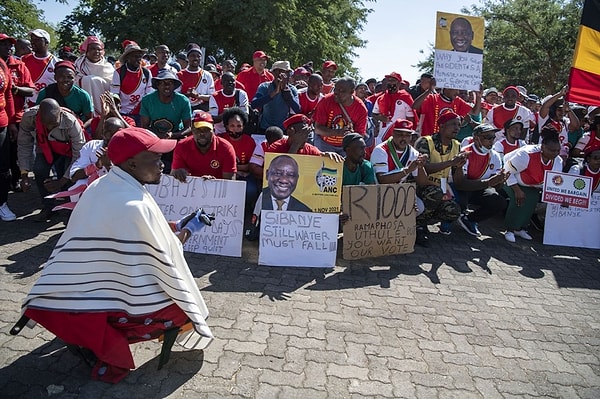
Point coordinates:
[(87, 156), (499, 114), (401, 111), (383, 162), (219, 101)]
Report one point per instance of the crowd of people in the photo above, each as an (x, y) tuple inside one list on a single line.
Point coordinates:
[(472, 154), (117, 125)]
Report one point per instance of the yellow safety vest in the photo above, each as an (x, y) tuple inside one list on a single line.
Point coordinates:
[(436, 157)]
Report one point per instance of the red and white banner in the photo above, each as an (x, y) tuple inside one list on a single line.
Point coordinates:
[(563, 188)]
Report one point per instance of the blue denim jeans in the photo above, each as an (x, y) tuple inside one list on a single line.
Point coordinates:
[(41, 171)]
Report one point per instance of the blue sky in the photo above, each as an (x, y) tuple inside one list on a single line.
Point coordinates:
[(396, 31)]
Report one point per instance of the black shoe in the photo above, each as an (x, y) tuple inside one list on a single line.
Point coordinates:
[(537, 223), (422, 236), (85, 354), (45, 214)]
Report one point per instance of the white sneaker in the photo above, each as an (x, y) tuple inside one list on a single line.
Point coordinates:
[(510, 236), (523, 234), (6, 214)]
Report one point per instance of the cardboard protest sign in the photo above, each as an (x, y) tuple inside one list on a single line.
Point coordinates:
[(458, 57), (300, 211), (574, 190), (382, 220), (573, 227), (224, 198)]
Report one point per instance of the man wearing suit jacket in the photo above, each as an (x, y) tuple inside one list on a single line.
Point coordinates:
[(282, 177)]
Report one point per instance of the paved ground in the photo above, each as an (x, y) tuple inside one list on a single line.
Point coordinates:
[(467, 318)]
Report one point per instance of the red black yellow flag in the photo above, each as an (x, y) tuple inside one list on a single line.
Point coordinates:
[(584, 80)]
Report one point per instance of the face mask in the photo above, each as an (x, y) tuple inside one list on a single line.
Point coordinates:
[(484, 150), (391, 87)]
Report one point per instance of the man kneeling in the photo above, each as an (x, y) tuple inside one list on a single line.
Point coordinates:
[(117, 275)]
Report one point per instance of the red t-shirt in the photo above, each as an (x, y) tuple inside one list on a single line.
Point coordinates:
[(329, 114), (434, 105), (251, 80), (219, 86), (534, 173), (307, 106), (153, 69), (7, 108), (219, 159), (95, 121), (41, 71), (189, 80), (373, 97), (223, 101), (327, 88), (507, 148), (243, 147), (20, 77), (478, 163), (133, 88), (282, 146), (595, 177)]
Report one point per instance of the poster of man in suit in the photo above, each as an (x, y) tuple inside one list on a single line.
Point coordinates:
[(458, 51), (301, 201)]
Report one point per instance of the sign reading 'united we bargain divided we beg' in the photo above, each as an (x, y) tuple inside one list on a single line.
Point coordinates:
[(566, 189)]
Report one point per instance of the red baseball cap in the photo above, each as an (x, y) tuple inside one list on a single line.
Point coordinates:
[(259, 54), (64, 64), (330, 64), (301, 71), (202, 119), (510, 88), (395, 75), (297, 118), (4, 36), (403, 124), (446, 116), (127, 42), (129, 142)]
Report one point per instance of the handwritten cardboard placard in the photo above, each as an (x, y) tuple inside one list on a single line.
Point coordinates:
[(294, 238), (574, 190), (573, 227), (458, 61), (300, 210), (382, 220), (224, 198), (457, 70)]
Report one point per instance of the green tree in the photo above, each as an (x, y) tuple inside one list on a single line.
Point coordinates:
[(18, 17), (295, 30), (527, 42), (68, 36)]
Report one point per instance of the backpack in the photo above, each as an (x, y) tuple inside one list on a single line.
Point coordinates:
[(123, 72)]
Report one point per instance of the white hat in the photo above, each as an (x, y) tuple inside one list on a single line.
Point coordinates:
[(40, 33), (284, 65), (522, 91), (592, 110), (131, 48)]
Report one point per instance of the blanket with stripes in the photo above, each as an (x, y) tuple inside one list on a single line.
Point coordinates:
[(118, 253)]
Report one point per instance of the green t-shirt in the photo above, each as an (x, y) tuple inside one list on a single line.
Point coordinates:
[(78, 101), (364, 174), (177, 111)]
